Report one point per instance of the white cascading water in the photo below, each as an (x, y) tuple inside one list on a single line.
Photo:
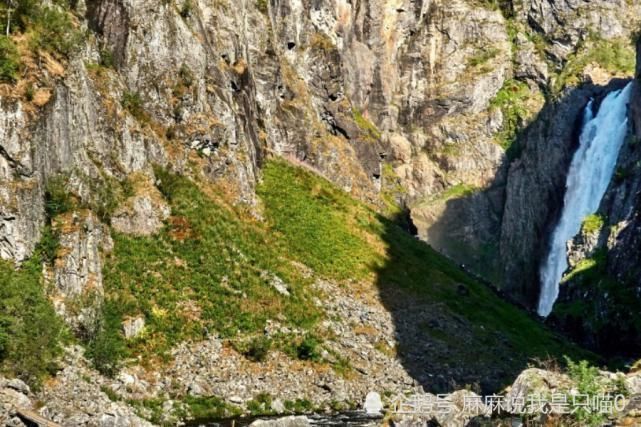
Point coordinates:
[(588, 179)]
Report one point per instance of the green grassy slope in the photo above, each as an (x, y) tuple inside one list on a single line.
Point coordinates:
[(210, 271), (339, 237)]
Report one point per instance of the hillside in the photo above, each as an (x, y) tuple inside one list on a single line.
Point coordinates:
[(224, 208)]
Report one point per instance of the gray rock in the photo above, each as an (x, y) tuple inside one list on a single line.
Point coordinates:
[(194, 389), (132, 328), (278, 406), (18, 385), (300, 421), (77, 273), (373, 403), (142, 214)]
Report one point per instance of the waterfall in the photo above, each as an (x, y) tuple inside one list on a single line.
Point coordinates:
[(588, 178)]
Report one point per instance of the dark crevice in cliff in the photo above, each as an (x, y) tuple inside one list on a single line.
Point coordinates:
[(110, 20)]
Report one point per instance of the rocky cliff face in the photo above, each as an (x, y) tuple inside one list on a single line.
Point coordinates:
[(463, 113), (402, 102)]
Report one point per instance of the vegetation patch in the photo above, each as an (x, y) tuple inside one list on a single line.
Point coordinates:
[(582, 266), (365, 124), (307, 211), (512, 101), (30, 331), (481, 58), (204, 272), (132, 102), (209, 408), (589, 382), (9, 60), (592, 224), (315, 220), (456, 191), (615, 56)]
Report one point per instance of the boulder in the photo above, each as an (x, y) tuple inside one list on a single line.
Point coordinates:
[(133, 327), (373, 403)]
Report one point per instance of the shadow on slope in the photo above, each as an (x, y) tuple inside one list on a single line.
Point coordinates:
[(451, 330)]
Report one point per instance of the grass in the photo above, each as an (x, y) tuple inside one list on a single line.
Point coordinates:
[(54, 31), (588, 382), (592, 224), (582, 266), (392, 190), (260, 405), (30, 331), (204, 272), (483, 56), (456, 191), (257, 349), (616, 56), (365, 124), (317, 222), (57, 198), (209, 408), (9, 60), (511, 100), (132, 102), (344, 239), (48, 28)]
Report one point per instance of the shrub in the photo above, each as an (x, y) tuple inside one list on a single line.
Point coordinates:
[(586, 379), (132, 102), (107, 347), (262, 6), (29, 92), (261, 404), (299, 406), (258, 349), (30, 331), (208, 408), (57, 198), (54, 31), (186, 75), (108, 195), (9, 60), (511, 100), (107, 58), (186, 9), (49, 243), (5, 322), (308, 349)]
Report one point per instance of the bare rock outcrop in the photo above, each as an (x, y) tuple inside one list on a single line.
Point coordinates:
[(76, 276)]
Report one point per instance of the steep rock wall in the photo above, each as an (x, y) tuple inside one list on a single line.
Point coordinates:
[(598, 303), (391, 99)]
